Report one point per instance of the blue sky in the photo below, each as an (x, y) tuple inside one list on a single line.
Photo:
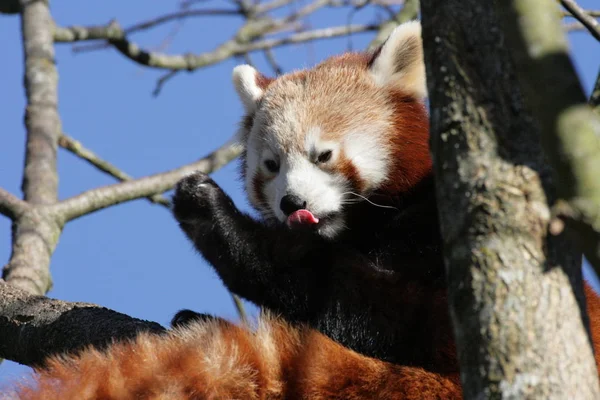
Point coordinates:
[(133, 258)]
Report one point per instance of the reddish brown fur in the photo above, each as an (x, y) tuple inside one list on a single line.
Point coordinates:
[(223, 361), (217, 360), (411, 128), (412, 124), (593, 308), (263, 82)]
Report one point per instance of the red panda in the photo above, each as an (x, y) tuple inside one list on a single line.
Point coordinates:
[(347, 252), (336, 162)]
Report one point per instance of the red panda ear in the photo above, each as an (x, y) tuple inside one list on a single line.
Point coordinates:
[(250, 85), (399, 61)]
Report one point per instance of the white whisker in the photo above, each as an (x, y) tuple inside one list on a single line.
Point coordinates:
[(370, 202)]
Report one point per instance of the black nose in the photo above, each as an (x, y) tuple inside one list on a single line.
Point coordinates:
[(290, 203)]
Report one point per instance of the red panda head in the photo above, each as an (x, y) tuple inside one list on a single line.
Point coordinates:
[(320, 140)]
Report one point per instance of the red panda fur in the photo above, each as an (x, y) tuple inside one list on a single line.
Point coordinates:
[(218, 360)]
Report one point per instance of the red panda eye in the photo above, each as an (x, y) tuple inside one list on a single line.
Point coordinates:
[(271, 166), (324, 156)]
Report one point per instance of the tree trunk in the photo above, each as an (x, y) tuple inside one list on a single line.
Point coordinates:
[(515, 292), (36, 233)]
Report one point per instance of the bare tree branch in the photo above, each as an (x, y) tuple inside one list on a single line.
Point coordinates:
[(114, 31), (277, 70), (177, 16), (34, 327), (270, 6), (160, 83), (308, 9), (571, 128), (80, 151), (239, 307), (78, 33), (10, 205), (239, 45), (34, 234), (507, 277), (574, 27), (309, 36), (76, 148), (106, 196), (592, 13), (582, 16)]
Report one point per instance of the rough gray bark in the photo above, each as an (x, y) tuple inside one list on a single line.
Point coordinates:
[(35, 234), (515, 292), (34, 327)]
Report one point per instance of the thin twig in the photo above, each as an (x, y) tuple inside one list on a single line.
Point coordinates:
[(107, 196), (179, 15), (305, 11), (239, 306), (591, 13), (325, 33), (273, 62), (247, 59), (188, 3), (270, 6), (75, 147), (79, 33), (580, 14), (160, 83), (10, 205)]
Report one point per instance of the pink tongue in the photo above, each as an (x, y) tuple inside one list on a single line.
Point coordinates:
[(302, 217)]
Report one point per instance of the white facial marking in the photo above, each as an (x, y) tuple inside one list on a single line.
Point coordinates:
[(368, 155), (315, 145)]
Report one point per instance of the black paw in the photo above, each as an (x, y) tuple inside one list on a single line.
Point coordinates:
[(185, 317), (197, 197)]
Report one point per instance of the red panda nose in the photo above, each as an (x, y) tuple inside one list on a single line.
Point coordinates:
[(290, 203)]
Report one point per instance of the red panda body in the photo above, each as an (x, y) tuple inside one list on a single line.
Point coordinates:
[(332, 155)]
